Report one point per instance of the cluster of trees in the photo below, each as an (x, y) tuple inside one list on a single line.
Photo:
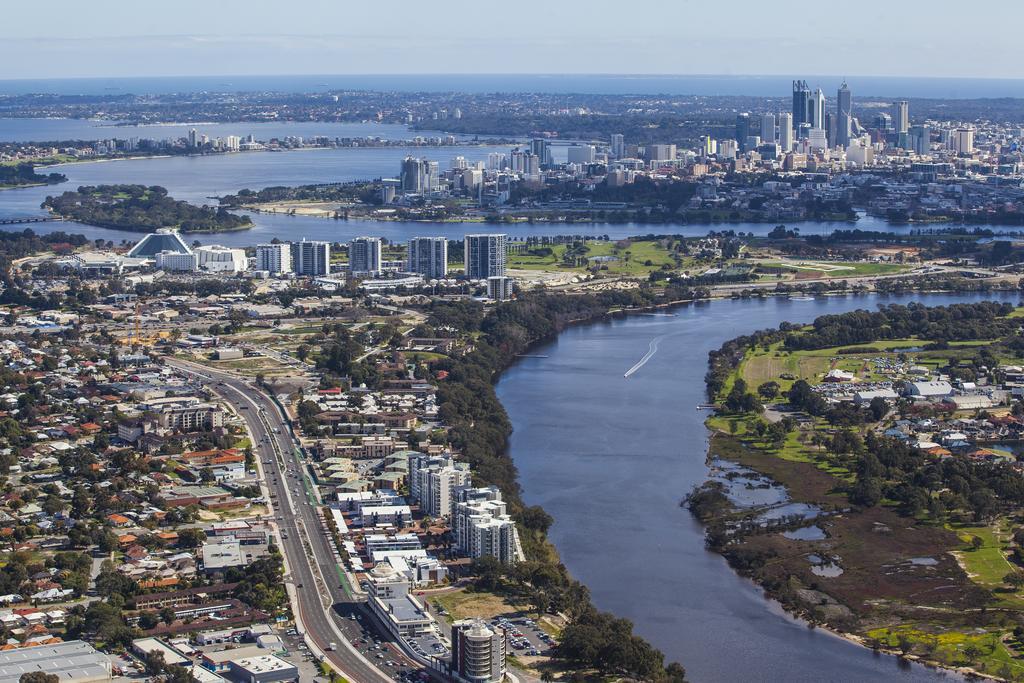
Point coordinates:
[(260, 584), (331, 192), (141, 208), (889, 469), (957, 322), (338, 354), (25, 174)]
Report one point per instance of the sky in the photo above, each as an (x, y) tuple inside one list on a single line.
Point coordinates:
[(110, 38)]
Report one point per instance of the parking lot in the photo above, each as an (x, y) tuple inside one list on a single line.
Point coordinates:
[(525, 637)]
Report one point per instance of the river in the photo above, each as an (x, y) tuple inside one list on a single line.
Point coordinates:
[(610, 458), (199, 179)]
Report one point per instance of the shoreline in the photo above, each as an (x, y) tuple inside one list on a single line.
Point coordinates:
[(772, 602), (800, 615)]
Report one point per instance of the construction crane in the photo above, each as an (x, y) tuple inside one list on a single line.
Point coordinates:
[(135, 336)]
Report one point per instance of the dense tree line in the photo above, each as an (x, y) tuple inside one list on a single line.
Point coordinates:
[(479, 429), (332, 192), (140, 208), (957, 322)]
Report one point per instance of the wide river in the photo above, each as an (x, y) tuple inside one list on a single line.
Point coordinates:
[(610, 459), (200, 179)]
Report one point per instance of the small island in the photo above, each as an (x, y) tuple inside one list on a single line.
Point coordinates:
[(139, 208), (24, 175)]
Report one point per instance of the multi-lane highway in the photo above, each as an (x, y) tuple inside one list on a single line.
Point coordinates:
[(328, 612)]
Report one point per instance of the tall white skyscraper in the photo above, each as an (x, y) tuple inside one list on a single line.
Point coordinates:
[(428, 256), (313, 258), (768, 128), (485, 255), (364, 256), (902, 116), (818, 109), (786, 131), (274, 258)]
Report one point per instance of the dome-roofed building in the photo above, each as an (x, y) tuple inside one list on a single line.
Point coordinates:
[(164, 239)]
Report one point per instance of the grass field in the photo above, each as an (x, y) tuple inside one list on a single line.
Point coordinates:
[(986, 565), (836, 269), (639, 258), (462, 604)]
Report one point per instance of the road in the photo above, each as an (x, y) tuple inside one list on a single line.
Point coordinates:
[(306, 547)]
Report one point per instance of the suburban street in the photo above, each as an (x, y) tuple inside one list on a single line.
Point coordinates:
[(328, 612)]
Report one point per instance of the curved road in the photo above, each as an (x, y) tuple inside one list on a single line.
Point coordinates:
[(303, 540)]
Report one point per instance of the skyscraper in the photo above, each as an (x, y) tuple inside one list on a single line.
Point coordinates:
[(786, 131), (428, 256), (818, 110), (920, 139), (768, 128), (618, 145), (742, 129), (313, 258), (801, 104), (902, 116), (364, 255), (539, 146), (413, 177), (485, 256), (844, 115)]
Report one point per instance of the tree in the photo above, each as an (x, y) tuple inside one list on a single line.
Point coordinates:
[(675, 673), (768, 390), (1014, 579), (191, 537), (39, 677)]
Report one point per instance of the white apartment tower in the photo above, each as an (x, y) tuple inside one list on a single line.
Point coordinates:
[(786, 131), (274, 258), (428, 256), (364, 256)]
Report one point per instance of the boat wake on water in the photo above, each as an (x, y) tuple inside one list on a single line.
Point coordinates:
[(653, 349)]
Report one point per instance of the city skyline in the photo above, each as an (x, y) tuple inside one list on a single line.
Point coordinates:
[(244, 39)]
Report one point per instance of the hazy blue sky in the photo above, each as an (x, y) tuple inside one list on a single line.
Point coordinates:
[(75, 38)]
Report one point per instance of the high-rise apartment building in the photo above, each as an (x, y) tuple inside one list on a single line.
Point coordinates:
[(428, 256), (485, 255), (274, 258), (478, 651), (313, 258), (481, 525), (364, 256)]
